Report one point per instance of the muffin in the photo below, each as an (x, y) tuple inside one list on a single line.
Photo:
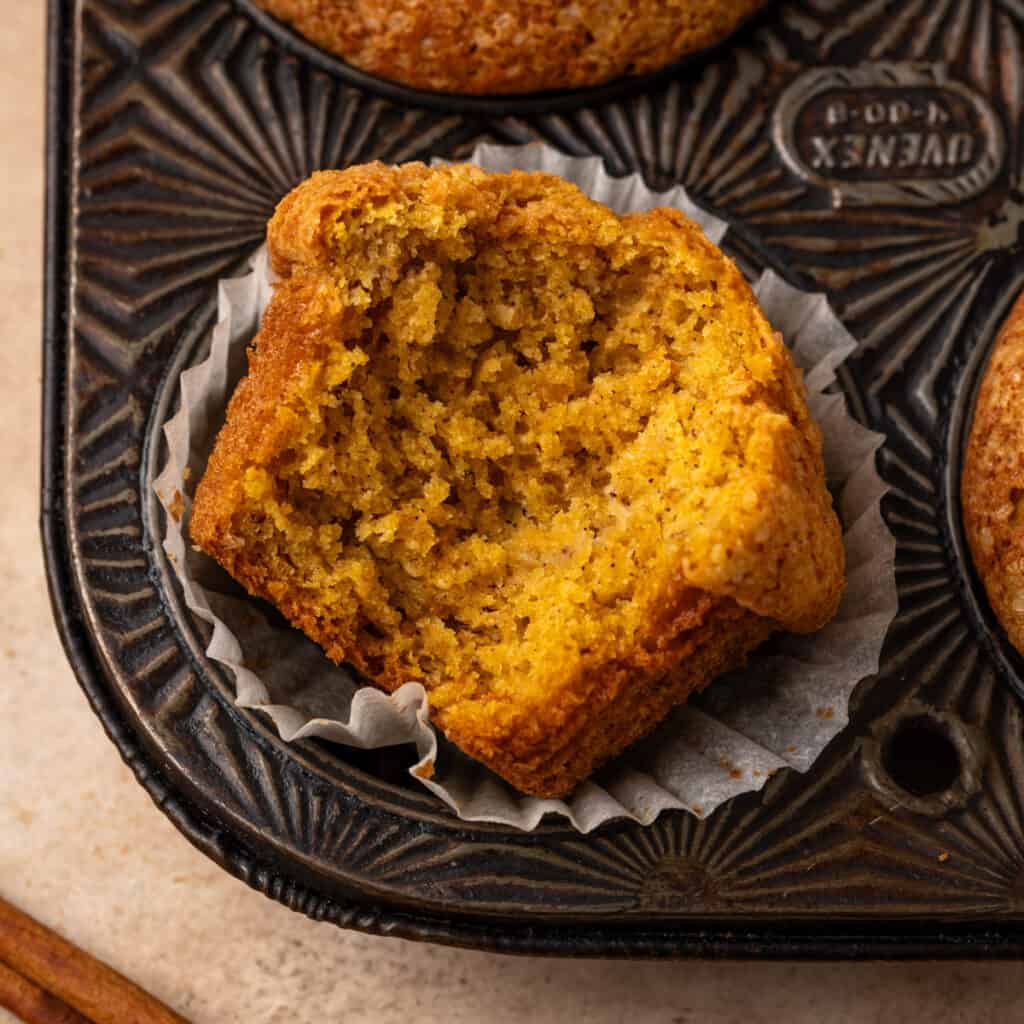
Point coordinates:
[(992, 491), (550, 462), (511, 46)]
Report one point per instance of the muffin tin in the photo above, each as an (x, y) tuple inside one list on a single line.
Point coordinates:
[(871, 149)]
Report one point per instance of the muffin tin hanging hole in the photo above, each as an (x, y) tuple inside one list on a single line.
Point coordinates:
[(924, 760), (920, 757)]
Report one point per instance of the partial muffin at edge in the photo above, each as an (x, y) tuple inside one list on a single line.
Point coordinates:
[(511, 46), (992, 488)]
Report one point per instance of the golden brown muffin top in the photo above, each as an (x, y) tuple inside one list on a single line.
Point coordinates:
[(992, 491), (511, 46)]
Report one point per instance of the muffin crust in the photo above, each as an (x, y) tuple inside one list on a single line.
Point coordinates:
[(992, 490), (511, 46)]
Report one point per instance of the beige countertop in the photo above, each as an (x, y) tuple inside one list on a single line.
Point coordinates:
[(83, 849)]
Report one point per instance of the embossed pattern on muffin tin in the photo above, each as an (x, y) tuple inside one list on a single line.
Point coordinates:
[(176, 125)]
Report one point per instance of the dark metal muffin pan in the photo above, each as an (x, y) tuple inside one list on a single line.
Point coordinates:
[(870, 148)]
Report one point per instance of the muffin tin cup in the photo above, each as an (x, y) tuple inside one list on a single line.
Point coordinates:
[(552, 101), (778, 712)]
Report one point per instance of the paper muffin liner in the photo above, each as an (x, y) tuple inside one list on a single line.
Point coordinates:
[(778, 712)]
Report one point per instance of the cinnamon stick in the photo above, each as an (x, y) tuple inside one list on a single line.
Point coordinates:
[(31, 1004), (81, 981)]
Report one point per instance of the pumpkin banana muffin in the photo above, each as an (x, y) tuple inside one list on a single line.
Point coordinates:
[(992, 491), (511, 46), (551, 462)]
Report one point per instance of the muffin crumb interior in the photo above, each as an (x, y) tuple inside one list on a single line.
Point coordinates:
[(490, 472)]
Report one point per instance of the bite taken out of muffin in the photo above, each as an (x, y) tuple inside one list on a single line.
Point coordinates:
[(551, 462)]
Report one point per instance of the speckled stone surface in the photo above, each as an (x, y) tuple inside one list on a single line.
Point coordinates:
[(83, 849)]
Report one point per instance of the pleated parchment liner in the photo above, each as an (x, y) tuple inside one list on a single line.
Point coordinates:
[(779, 711)]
